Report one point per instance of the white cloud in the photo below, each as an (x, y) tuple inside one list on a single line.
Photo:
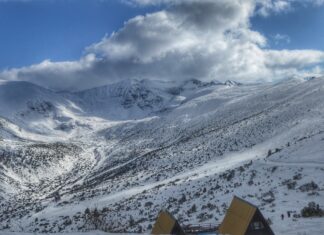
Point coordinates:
[(267, 7), (293, 59), (281, 39), (205, 39), (264, 7), (65, 75)]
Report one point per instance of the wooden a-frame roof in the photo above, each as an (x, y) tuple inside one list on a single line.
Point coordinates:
[(239, 216), (167, 224)]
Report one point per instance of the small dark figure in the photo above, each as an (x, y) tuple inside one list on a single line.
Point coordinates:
[(288, 214), (57, 196), (282, 216)]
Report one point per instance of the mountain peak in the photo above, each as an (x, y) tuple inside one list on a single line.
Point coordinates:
[(232, 83)]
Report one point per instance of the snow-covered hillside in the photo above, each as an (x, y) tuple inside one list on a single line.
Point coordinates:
[(135, 147)]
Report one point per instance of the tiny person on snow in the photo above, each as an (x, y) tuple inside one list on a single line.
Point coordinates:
[(288, 214)]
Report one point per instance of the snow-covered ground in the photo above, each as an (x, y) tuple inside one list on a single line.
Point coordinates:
[(133, 148), (85, 233), (75, 233)]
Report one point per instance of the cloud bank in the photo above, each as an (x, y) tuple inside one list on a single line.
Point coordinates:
[(204, 39)]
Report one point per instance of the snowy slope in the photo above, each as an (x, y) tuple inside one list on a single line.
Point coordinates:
[(35, 109), (135, 99), (135, 147)]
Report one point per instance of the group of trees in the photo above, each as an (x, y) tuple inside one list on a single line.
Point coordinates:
[(93, 219), (312, 210)]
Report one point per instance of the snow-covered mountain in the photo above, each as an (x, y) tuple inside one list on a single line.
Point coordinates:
[(132, 148)]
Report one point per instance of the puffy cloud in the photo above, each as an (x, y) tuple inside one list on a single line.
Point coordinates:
[(57, 75), (177, 29), (293, 59), (204, 39), (263, 7)]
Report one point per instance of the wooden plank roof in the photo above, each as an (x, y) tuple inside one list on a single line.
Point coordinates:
[(238, 217), (166, 224)]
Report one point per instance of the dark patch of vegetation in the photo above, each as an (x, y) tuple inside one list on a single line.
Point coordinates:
[(312, 210)]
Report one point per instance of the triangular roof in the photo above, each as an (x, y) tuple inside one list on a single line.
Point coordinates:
[(166, 224), (238, 217)]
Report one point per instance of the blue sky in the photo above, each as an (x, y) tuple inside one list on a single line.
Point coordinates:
[(304, 25), (33, 31)]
